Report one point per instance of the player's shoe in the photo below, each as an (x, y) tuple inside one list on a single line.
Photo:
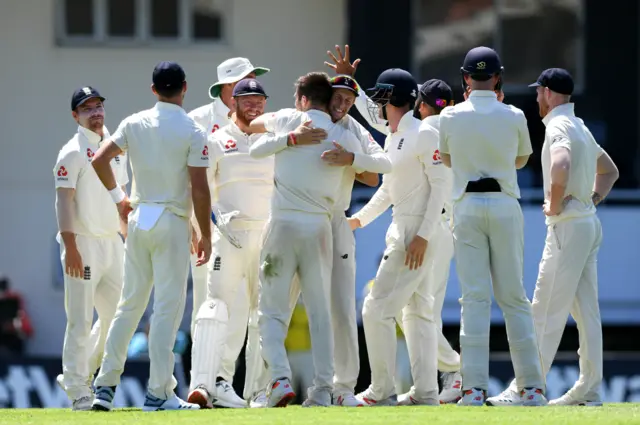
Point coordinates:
[(317, 398), (368, 398), (225, 396), (259, 400), (155, 404), (473, 397), (280, 393), (347, 400), (201, 397), (104, 399), (82, 403), (410, 399), (508, 397), (451, 387), (533, 397), (568, 400)]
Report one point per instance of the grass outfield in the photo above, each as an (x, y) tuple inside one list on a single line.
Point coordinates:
[(622, 413)]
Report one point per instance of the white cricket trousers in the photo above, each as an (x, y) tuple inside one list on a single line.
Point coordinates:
[(488, 232), (232, 279), (154, 259), (302, 243), (568, 284), (448, 358), (343, 306), (100, 287), (395, 288)]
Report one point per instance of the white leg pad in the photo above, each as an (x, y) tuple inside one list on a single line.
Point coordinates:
[(208, 343)]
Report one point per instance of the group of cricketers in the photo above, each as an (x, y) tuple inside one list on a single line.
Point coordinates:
[(276, 187)]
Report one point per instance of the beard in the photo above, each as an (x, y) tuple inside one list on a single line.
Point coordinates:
[(94, 123), (243, 117), (543, 110)]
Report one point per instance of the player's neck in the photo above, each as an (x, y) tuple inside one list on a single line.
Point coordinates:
[(394, 115), (244, 127)]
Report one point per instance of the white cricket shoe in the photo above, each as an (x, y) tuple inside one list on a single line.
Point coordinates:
[(259, 400), (368, 398), (104, 399), (473, 397), (225, 396), (347, 400), (155, 404), (451, 387), (201, 397), (410, 399), (568, 400), (508, 397), (280, 393), (82, 403)]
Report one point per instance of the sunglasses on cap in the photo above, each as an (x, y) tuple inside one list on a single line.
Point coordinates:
[(345, 82)]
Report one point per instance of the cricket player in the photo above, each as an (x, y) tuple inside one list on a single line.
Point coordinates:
[(212, 117), (91, 248), (242, 188), (577, 175), (169, 159), (448, 360), (484, 142), (343, 276), (402, 276), (298, 236)]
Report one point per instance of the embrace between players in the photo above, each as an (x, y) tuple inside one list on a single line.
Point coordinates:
[(277, 186)]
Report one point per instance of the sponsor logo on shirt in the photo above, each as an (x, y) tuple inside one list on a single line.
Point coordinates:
[(215, 127), (230, 146), (205, 153), (62, 174), (90, 154), (436, 157), (400, 143)]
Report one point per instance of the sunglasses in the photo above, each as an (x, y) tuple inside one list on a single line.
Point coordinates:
[(344, 82)]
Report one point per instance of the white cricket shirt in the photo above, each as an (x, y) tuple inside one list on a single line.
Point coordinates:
[(212, 116), (484, 137), (238, 181), (369, 157), (566, 130), (416, 168), (303, 181), (162, 142), (96, 214)]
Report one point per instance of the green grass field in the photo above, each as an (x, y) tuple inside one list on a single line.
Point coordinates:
[(624, 413)]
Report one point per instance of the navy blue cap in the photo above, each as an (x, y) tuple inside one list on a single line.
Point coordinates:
[(555, 79), (482, 62), (436, 93), (249, 87), (168, 76), (82, 95), (394, 86)]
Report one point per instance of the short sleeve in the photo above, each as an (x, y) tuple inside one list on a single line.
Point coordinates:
[(120, 171), (557, 137), (277, 121), (198, 149), (120, 136), (67, 169), (524, 139)]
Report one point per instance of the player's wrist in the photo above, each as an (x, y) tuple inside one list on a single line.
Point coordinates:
[(292, 140), (117, 194)]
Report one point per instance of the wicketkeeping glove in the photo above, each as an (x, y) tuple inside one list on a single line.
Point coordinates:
[(222, 223)]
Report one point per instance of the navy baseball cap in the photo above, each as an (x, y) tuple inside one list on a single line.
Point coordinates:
[(82, 95), (436, 93), (168, 76), (481, 63), (249, 87), (555, 79)]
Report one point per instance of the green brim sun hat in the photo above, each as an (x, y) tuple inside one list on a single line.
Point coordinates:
[(233, 70)]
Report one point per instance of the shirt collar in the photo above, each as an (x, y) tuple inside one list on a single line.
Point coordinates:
[(164, 106), (320, 117), (483, 93), (564, 109), (407, 121), (93, 138), (219, 108)]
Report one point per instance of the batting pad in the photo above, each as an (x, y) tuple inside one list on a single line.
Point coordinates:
[(208, 343)]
